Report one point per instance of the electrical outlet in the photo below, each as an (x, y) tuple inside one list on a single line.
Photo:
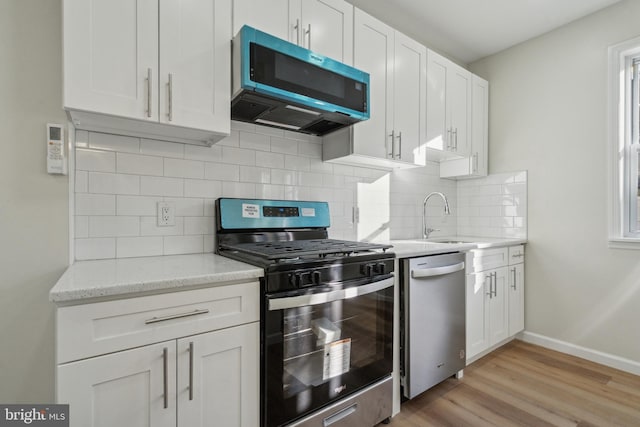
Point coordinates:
[(166, 214)]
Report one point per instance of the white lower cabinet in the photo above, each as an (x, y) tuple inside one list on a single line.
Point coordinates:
[(494, 299), (195, 379)]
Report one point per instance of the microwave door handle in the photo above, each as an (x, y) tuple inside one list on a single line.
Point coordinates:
[(420, 273), (324, 297)]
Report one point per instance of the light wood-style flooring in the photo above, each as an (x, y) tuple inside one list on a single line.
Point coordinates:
[(522, 384)]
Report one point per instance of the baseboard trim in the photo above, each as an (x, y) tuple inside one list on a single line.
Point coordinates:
[(606, 359)]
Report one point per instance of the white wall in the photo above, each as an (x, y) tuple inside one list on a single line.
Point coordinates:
[(548, 116), (33, 205)]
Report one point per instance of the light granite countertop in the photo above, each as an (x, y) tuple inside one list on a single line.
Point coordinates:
[(89, 281), (438, 245)]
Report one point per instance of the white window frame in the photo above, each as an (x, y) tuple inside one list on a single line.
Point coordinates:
[(622, 146)]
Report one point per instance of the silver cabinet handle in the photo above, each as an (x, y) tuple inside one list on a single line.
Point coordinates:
[(474, 168), (393, 145), (436, 271), (449, 139), (520, 255), (149, 77), (490, 277), (308, 33), (399, 145), (513, 285), (191, 370), (170, 97), (165, 380), (495, 284), (455, 139), (175, 316)]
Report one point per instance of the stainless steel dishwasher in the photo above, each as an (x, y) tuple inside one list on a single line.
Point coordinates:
[(432, 310)]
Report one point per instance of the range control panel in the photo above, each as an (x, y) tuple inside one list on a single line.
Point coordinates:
[(247, 214)]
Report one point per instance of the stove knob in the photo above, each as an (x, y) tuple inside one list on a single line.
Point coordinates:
[(316, 277), (367, 269), (379, 268), (295, 279)]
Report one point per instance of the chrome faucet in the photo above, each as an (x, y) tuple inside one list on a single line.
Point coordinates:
[(427, 231)]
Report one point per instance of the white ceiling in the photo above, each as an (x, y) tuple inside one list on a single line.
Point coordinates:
[(467, 30)]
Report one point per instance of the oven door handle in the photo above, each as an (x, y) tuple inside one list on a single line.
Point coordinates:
[(324, 297)]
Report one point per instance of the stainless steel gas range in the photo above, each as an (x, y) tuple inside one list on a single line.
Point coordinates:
[(326, 314)]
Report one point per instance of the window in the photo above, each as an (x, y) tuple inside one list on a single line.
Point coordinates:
[(624, 143)]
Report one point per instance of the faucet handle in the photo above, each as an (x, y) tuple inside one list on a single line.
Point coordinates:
[(428, 231)]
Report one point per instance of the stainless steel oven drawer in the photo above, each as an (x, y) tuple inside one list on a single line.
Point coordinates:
[(365, 408)]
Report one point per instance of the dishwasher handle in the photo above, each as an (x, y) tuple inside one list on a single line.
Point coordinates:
[(420, 273)]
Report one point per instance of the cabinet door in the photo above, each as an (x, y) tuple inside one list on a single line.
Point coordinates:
[(516, 299), (410, 73), (127, 388), (110, 50), (459, 94), (479, 127), (218, 382), (327, 28), (194, 64), (438, 131), (373, 53), (477, 300), (499, 306), (270, 16)]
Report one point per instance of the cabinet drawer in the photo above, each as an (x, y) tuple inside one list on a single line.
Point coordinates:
[(485, 259), (92, 329), (516, 254)]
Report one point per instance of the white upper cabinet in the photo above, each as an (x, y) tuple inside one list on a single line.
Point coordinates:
[(110, 54), (323, 26), (448, 107), (476, 164), (392, 137), (194, 77), (157, 68), (409, 101)]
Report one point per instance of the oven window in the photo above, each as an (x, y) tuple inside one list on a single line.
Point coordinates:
[(326, 351)]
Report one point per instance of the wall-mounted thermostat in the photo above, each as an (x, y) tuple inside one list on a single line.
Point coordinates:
[(56, 163)]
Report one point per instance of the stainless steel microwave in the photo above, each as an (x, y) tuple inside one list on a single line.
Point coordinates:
[(280, 84)]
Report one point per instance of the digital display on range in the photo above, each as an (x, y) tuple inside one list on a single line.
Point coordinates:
[(280, 211)]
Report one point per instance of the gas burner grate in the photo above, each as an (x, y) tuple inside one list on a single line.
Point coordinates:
[(277, 250)]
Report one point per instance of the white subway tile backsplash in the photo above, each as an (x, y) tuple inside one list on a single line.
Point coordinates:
[(149, 227), (120, 180), (137, 205), (95, 248), (187, 206), (198, 225), (161, 186), (139, 164), (209, 154), (221, 172), (238, 189), (183, 168), (238, 156), (154, 147), (269, 160), (254, 141), (174, 245), (112, 183), (95, 204), (94, 160), (255, 174), (105, 141), (82, 182), (202, 188), (127, 247), (114, 226)]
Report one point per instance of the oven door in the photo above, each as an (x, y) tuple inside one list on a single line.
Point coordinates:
[(320, 347)]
